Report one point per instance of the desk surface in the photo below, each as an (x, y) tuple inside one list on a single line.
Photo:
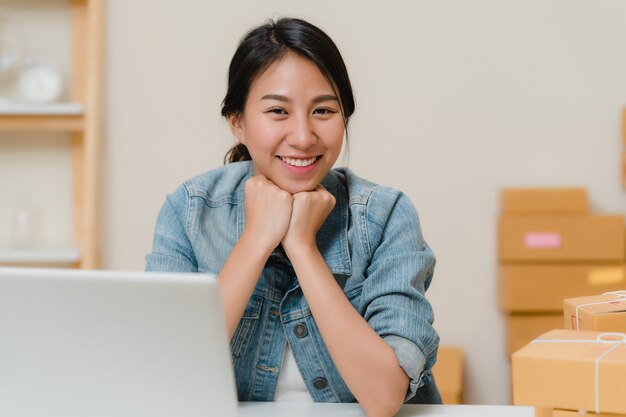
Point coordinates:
[(285, 409)]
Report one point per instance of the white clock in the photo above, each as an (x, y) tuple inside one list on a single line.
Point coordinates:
[(40, 82)]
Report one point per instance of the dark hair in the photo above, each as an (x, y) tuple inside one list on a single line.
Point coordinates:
[(266, 44)]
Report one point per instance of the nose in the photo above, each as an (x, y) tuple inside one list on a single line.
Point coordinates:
[(302, 134)]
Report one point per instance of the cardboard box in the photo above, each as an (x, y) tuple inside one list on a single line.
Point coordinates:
[(560, 372), (542, 201), (542, 288), (522, 328), (601, 313), (448, 371), (543, 412), (562, 238), (571, 413)]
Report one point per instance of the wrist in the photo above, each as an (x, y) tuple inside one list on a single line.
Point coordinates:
[(255, 245), (300, 250)]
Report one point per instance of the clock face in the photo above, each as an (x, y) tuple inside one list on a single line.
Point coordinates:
[(40, 83)]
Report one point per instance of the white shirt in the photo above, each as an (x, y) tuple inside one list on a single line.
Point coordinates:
[(291, 387)]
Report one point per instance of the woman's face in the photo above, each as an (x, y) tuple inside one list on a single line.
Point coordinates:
[(292, 124)]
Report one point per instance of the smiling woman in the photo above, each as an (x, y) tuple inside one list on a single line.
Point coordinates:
[(322, 274)]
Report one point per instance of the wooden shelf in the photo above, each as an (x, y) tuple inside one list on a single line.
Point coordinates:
[(37, 256), (53, 117), (38, 123), (51, 109)]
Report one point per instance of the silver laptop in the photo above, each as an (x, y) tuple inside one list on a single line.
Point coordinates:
[(117, 344)]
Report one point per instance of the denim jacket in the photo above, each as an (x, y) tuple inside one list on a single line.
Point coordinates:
[(372, 244)]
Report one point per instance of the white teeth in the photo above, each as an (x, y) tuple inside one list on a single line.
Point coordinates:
[(298, 162)]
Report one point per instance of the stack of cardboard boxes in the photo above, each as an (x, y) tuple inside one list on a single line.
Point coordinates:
[(551, 248), (581, 369)]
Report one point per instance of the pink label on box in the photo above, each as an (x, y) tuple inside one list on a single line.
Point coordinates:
[(542, 240)]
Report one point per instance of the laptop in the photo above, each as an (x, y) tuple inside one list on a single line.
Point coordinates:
[(77, 343)]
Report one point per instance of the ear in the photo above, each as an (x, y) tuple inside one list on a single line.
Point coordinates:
[(235, 122)]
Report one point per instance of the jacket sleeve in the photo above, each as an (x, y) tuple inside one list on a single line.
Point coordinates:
[(398, 275), (171, 248)]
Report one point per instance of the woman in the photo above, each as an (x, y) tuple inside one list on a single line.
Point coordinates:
[(322, 274)]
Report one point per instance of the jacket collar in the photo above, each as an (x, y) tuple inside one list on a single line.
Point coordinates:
[(332, 238)]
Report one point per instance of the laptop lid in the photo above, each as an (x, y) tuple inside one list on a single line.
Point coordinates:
[(77, 343)]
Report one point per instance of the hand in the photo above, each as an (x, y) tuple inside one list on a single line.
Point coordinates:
[(310, 210), (268, 211)]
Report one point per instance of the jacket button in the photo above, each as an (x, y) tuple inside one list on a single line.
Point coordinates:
[(300, 330), (320, 383)]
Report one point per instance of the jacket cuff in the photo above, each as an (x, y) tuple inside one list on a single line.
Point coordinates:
[(411, 360)]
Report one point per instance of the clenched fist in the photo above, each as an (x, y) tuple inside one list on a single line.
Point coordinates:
[(310, 210), (268, 212)]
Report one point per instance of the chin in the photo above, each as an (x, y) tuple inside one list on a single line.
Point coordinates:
[(297, 188)]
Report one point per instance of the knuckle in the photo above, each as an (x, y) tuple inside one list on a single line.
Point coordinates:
[(252, 182)]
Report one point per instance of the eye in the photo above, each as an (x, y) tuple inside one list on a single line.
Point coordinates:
[(277, 110), (324, 111)]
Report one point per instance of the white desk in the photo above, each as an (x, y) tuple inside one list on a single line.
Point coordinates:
[(284, 409)]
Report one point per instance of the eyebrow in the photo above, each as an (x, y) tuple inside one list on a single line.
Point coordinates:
[(316, 100)]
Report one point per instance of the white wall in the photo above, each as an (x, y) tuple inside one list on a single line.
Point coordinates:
[(455, 100)]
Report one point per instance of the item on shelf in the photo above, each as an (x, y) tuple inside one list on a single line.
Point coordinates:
[(40, 82), (602, 313), (572, 370), (544, 201), (540, 288), (562, 238)]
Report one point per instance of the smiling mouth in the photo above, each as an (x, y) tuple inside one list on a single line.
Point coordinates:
[(299, 162)]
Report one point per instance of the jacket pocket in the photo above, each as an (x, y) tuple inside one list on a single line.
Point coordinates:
[(246, 326)]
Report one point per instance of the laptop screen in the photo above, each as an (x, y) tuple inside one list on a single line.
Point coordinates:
[(77, 343)]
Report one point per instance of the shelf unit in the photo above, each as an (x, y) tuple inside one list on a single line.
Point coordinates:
[(82, 120)]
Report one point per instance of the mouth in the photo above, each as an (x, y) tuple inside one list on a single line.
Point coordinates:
[(299, 162)]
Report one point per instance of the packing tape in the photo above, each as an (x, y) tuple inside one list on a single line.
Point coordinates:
[(619, 296), (617, 340)]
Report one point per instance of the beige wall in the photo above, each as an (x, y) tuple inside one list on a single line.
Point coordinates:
[(455, 99)]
